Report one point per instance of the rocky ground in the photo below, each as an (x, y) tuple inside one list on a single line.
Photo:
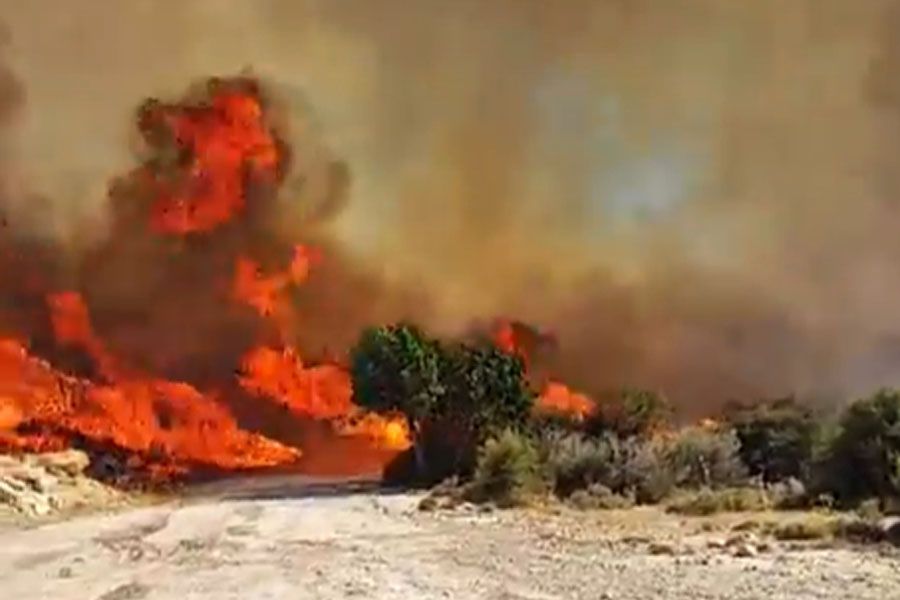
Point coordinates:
[(293, 539), (44, 487)]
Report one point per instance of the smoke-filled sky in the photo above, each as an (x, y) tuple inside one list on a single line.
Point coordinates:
[(697, 196)]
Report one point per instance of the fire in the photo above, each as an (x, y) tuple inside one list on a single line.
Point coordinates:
[(266, 294), (391, 433), (72, 327), (229, 147), (322, 391), (210, 160), (517, 338), (557, 398)]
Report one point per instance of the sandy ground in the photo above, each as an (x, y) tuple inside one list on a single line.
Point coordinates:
[(292, 540)]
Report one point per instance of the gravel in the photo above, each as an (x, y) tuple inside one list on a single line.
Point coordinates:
[(303, 542)]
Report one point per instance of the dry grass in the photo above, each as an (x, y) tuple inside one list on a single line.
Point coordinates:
[(707, 502), (806, 528), (598, 497)]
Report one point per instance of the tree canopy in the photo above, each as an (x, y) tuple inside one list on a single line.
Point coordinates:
[(453, 395)]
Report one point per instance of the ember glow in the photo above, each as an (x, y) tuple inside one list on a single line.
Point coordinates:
[(211, 161)]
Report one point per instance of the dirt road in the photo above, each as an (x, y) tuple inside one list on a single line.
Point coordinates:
[(301, 542)]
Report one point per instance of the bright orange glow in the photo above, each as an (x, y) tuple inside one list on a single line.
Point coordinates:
[(229, 145), (390, 433), (209, 161), (322, 391), (557, 398), (142, 414), (267, 294)]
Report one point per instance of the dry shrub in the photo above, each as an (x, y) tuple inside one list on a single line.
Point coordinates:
[(807, 528), (708, 501), (507, 470), (575, 462), (599, 497), (860, 530), (631, 468), (701, 457)]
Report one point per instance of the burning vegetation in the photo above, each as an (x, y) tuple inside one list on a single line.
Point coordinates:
[(172, 342)]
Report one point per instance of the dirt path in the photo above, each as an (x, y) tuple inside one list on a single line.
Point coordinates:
[(259, 544)]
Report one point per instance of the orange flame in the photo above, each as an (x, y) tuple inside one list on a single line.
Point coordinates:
[(209, 159), (322, 391), (229, 145), (557, 398)]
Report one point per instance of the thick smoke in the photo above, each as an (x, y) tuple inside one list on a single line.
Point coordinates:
[(693, 196)]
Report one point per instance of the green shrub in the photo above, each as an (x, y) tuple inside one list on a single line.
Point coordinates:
[(702, 457), (507, 470), (776, 438), (863, 459), (453, 396)]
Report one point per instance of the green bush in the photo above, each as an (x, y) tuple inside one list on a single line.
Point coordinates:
[(776, 438), (863, 459), (453, 396), (399, 369), (488, 391), (701, 457), (507, 470)]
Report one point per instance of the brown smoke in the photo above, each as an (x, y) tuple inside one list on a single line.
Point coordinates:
[(694, 196)]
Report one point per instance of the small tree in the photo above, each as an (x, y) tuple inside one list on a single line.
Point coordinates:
[(776, 438), (398, 369), (453, 397), (488, 391), (864, 458)]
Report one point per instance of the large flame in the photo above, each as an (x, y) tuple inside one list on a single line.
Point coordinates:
[(208, 159), (229, 146)]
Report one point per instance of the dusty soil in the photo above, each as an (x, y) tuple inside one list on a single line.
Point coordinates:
[(290, 539)]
